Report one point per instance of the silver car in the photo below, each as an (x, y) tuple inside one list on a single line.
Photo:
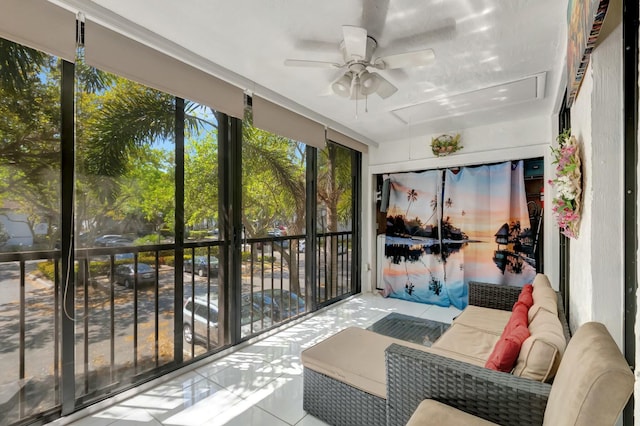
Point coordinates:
[(196, 322)]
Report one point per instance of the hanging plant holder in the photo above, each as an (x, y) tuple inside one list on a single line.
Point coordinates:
[(445, 145)]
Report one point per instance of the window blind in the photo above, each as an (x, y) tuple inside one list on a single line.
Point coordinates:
[(338, 137), (40, 25), (113, 52), (281, 121)]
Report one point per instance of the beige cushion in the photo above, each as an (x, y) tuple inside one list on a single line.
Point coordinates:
[(541, 352), (593, 382), (541, 280), (431, 412), (544, 297), (354, 356), (487, 319), (469, 341), (457, 356)]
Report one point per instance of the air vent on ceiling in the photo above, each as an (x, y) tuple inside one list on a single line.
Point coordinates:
[(514, 92)]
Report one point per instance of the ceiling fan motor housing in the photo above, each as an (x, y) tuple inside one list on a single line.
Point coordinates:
[(371, 46)]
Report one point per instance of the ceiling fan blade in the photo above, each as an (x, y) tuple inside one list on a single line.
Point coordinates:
[(374, 17), (385, 88), (310, 64), (355, 42), (405, 60), (445, 30)]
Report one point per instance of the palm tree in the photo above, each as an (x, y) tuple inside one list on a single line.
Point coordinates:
[(412, 195), (19, 65), (434, 206), (448, 203)]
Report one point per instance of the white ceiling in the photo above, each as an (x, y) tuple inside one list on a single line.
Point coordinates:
[(496, 60)]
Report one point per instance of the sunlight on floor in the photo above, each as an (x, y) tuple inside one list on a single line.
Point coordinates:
[(259, 384)]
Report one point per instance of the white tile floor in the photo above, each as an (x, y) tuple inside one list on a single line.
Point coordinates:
[(258, 384)]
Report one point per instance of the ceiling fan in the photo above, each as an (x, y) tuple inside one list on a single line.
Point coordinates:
[(357, 81)]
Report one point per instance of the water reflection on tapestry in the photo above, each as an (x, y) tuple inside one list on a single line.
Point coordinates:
[(448, 227)]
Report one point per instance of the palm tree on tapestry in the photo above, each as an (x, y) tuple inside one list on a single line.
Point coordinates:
[(412, 195), (434, 206)]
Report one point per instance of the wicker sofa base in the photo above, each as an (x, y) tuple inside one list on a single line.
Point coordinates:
[(339, 404)]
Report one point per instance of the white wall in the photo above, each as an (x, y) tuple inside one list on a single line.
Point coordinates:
[(597, 270), (367, 277), (492, 143)]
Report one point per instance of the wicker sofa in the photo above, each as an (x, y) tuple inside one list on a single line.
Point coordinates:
[(592, 386), (351, 378)]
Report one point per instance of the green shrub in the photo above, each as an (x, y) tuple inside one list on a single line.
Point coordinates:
[(47, 268), (147, 240)]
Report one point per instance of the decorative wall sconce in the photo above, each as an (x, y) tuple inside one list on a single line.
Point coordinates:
[(445, 145)]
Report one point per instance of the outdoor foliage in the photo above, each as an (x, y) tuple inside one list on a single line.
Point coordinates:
[(125, 161)]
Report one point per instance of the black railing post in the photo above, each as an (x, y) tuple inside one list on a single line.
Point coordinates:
[(356, 227), (21, 398), (631, 99), (179, 233), (311, 242), (67, 287)]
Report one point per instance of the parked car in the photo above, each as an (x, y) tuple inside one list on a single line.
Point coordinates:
[(199, 266), (112, 240), (195, 321), (119, 242), (275, 232), (125, 274), (278, 304), (102, 240)]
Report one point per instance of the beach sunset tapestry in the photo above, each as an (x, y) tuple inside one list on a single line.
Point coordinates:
[(448, 227)]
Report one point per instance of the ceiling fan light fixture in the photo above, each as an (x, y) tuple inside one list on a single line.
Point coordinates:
[(342, 86), (369, 83)]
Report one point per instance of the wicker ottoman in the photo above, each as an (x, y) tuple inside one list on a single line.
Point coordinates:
[(345, 378)]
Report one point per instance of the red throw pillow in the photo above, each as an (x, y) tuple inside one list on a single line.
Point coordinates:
[(505, 352), (526, 295), (518, 317)]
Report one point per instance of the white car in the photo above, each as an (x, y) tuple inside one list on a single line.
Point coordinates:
[(195, 324)]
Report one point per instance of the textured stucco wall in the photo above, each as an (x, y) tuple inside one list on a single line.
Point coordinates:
[(597, 269), (580, 257), (597, 273)]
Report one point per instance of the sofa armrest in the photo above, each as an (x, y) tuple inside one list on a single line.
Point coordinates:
[(492, 295), (414, 375)]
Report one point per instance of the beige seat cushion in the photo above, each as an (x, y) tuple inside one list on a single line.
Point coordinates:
[(354, 356), (469, 341), (487, 319), (593, 382), (541, 352), (431, 412)]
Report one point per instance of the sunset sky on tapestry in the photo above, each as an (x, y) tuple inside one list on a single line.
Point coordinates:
[(448, 227)]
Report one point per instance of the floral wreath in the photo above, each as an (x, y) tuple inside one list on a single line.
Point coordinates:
[(568, 184)]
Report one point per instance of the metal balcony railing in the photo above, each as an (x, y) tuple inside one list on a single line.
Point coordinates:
[(125, 305)]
